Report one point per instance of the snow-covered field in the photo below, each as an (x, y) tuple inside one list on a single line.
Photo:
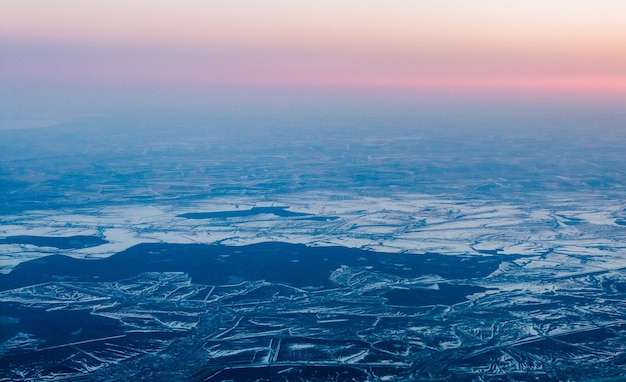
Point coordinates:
[(555, 234)]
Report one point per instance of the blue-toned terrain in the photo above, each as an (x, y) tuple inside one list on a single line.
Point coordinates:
[(277, 311), (277, 211), (78, 241), (356, 245)]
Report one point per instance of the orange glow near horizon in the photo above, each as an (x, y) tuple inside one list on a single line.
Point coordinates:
[(484, 44)]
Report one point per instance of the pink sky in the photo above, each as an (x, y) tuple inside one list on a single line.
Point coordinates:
[(561, 46)]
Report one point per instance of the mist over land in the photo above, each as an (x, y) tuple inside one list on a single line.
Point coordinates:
[(312, 191), (381, 241)]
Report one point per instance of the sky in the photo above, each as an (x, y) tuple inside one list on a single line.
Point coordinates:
[(112, 52)]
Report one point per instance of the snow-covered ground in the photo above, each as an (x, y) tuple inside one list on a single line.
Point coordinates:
[(555, 234)]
